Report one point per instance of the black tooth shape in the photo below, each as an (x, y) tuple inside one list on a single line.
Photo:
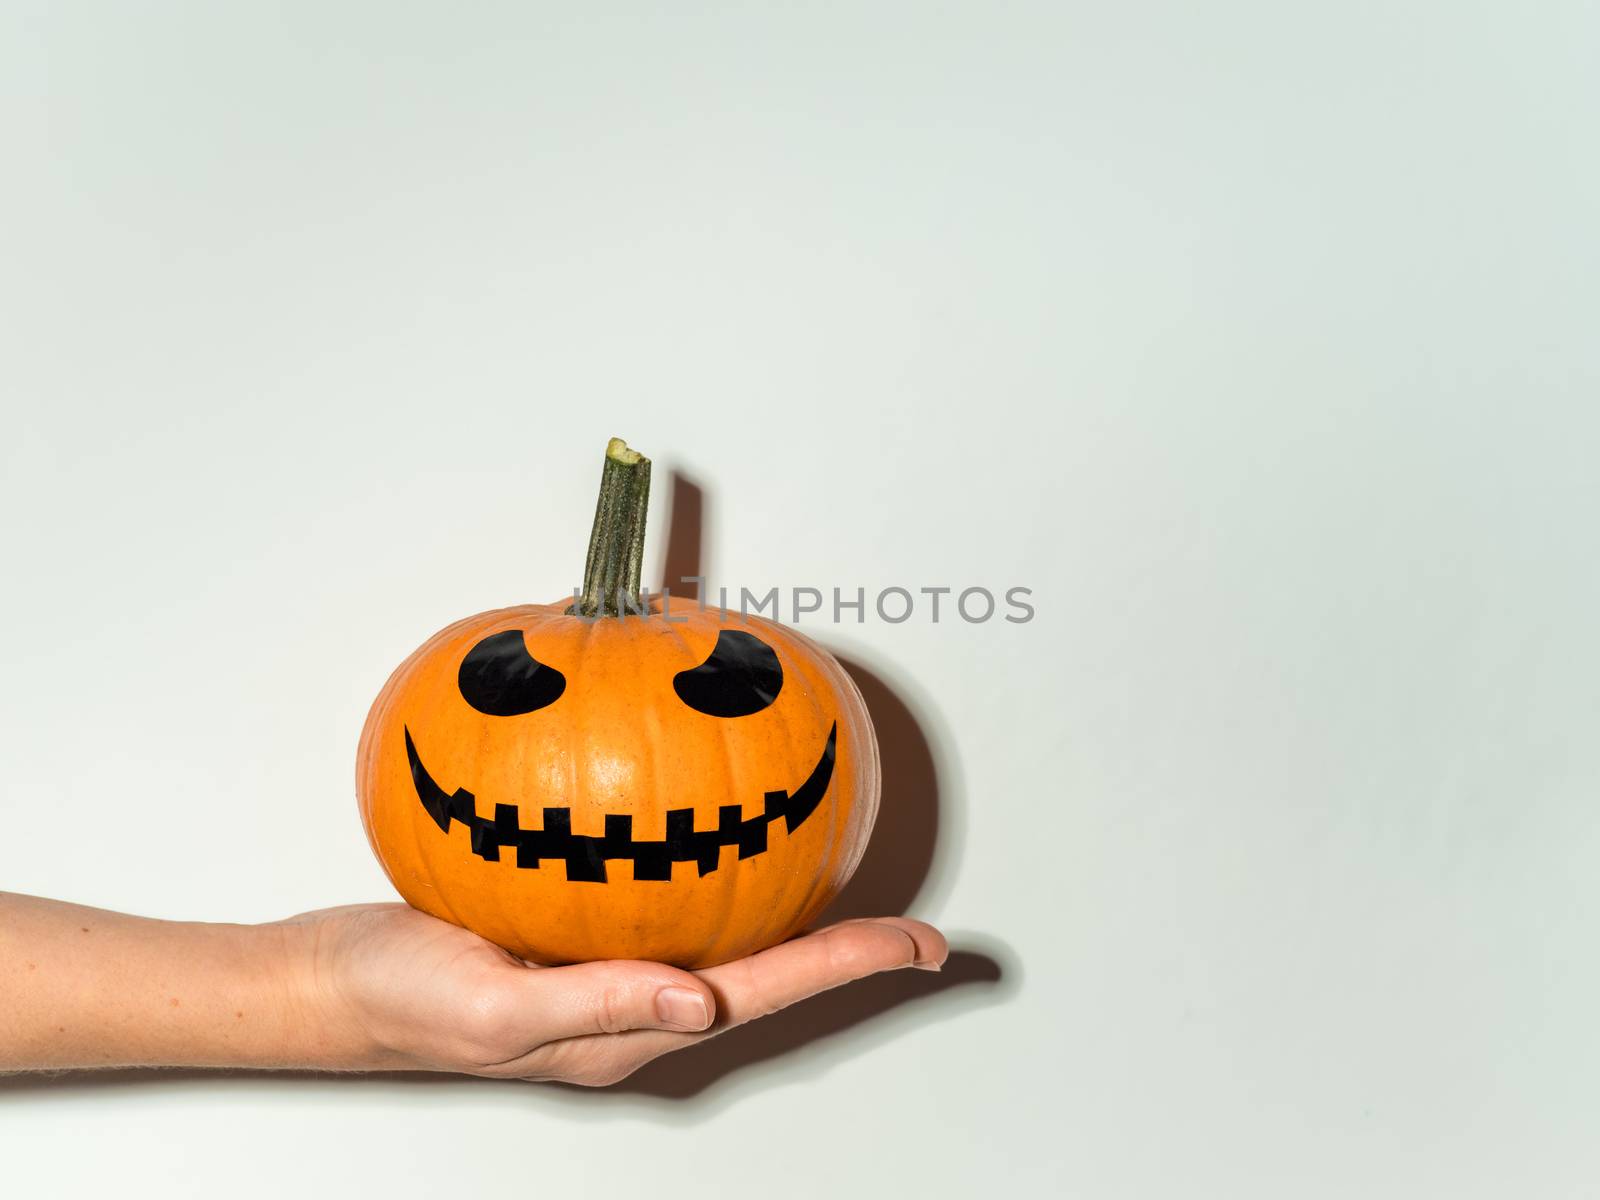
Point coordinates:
[(586, 856)]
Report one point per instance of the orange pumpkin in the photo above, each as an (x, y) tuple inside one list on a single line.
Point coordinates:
[(613, 778)]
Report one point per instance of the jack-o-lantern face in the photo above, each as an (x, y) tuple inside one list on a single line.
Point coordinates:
[(686, 790), (587, 782), (500, 678)]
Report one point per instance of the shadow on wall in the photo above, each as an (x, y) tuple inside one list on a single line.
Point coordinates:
[(685, 557), (901, 853), (897, 866)]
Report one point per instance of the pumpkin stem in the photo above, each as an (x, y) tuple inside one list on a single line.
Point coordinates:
[(616, 546)]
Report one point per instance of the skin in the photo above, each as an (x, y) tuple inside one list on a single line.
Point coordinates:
[(384, 987)]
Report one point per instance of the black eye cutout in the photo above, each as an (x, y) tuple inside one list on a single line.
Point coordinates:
[(500, 678), (741, 677)]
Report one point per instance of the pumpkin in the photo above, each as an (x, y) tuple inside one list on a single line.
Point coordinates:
[(619, 776)]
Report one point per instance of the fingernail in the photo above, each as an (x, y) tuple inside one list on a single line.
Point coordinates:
[(682, 1009), (927, 964)]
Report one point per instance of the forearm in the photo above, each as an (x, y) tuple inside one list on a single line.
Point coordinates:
[(382, 986), (82, 987)]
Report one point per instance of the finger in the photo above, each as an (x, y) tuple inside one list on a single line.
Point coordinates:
[(774, 979), (932, 949), (610, 997)]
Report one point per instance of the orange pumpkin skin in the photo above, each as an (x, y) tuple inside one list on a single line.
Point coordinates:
[(619, 740)]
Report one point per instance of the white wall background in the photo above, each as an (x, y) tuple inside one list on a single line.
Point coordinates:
[(1257, 338)]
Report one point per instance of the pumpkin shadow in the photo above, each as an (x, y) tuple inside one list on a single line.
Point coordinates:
[(901, 856), (683, 561), (897, 864), (900, 853)]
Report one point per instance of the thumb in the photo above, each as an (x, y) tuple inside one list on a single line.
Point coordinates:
[(610, 997)]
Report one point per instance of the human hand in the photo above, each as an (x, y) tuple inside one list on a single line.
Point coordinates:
[(393, 988)]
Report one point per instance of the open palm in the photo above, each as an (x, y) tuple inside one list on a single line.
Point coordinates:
[(419, 993)]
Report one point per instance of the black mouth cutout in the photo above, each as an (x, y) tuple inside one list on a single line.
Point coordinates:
[(586, 856)]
